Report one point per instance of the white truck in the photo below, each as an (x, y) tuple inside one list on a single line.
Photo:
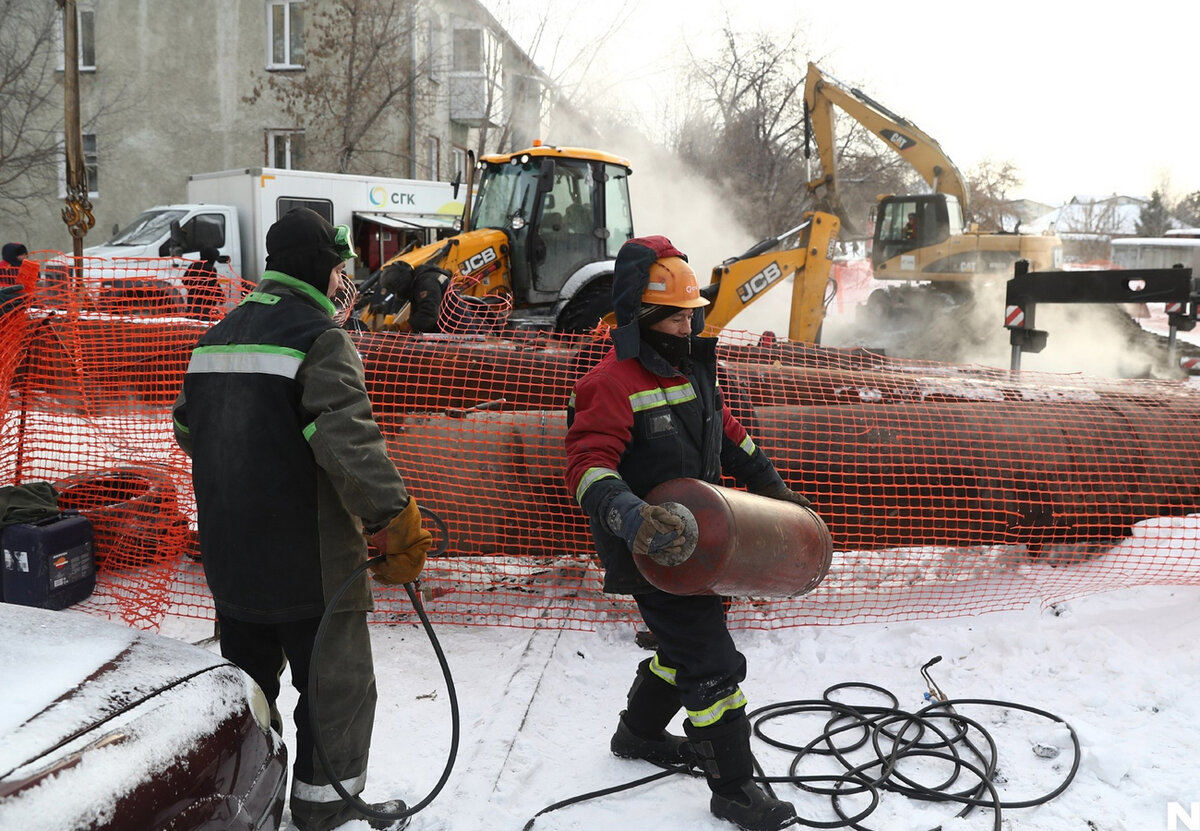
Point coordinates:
[(231, 211)]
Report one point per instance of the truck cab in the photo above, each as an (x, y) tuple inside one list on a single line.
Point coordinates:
[(140, 269), (176, 231)]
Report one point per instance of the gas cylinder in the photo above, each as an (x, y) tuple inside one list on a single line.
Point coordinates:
[(749, 546)]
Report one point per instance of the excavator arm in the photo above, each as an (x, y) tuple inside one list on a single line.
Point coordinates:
[(740, 281), (822, 92)]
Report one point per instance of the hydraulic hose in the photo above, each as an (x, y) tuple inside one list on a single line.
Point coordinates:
[(884, 737), (313, 712)]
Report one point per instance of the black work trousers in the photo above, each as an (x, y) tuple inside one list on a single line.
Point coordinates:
[(346, 695), (694, 641)]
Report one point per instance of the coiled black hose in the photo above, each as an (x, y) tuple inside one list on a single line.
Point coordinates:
[(885, 737)]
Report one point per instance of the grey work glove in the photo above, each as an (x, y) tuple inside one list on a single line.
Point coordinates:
[(676, 547), (652, 531), (783, 493)]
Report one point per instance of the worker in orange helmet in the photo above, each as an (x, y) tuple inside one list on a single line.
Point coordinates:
[(649, 412)]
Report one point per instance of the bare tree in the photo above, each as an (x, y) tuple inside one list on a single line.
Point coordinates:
[(747, 133), (988, 186), (31, 120), (1087, 226), (558, 78), (362, 70), (500, 102)]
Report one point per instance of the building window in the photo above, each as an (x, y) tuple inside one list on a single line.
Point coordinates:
[(289, 203), (285, 34), (91, 164), (468, 50), (433, 154), (458, 162), (85, 35), (87, 40), (433, 37), (285, 149)]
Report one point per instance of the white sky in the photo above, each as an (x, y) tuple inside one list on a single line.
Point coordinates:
[(1083, 97)]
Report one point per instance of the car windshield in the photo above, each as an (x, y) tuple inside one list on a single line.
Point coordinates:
[(147, 227)]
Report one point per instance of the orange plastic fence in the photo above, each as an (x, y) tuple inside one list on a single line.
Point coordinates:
[(948, 490)]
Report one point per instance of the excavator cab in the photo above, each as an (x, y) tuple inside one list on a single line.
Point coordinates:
[(904, 224)]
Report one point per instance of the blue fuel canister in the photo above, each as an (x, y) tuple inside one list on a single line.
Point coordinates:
[(48, 563)]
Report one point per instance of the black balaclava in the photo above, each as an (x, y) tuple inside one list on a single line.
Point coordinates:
[(12, 250), (673, 348), (302, 245), (631, 272)]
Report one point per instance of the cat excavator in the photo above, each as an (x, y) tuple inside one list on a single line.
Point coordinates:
[(542, 236), (916, 237)]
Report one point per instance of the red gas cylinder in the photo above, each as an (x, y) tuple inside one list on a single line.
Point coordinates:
[(749, 546)]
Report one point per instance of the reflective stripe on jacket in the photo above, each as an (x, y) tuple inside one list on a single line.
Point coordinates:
[(636, 423), (287, 461)]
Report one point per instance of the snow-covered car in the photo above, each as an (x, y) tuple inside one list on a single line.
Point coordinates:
[(106, 727)]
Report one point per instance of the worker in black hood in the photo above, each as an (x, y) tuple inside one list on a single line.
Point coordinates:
[(420, 289), (303, 245), (290, 473), (14, 254), (203, 285), (10, 290)]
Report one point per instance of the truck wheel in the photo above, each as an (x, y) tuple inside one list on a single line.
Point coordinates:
[(584, 310)]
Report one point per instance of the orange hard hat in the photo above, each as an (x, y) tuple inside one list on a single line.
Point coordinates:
[(673, 283)]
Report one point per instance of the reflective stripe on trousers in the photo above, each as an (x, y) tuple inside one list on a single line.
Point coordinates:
[(328, 793)]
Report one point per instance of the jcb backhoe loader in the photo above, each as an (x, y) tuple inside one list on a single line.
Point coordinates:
[(916, 236), (544, 232)]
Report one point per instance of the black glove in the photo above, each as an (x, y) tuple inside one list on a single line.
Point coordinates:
[(783, 493)]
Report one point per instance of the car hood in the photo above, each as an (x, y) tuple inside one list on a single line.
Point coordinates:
[(99, 671)]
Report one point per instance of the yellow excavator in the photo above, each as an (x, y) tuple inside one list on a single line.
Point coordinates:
[(543, 234), (916, 236)]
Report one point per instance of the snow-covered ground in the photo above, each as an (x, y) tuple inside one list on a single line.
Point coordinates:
[(538, 708)]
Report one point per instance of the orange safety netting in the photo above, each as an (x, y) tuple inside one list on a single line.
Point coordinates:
[(948, 490)]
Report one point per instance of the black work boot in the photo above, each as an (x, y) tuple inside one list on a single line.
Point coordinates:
[(665, 749), (392, 806), (335, 815), (641, 729), (723, 755)]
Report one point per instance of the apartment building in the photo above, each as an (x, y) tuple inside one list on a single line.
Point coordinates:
[(401, 88)]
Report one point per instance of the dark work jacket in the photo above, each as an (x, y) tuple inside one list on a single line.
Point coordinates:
[(633, 424), (287, 461)]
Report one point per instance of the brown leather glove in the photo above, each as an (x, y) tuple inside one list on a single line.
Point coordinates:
[(405, 543)]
